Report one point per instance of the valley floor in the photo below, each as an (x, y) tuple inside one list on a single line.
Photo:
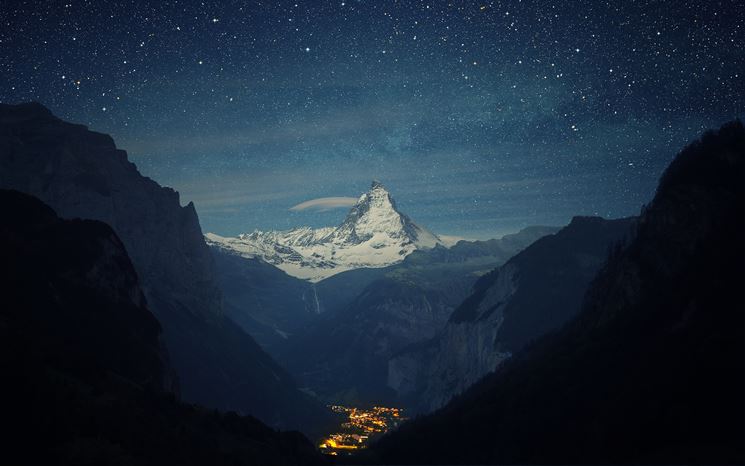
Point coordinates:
[(359, 427)]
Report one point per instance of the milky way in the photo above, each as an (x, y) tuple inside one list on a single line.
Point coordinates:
[(480, 118)]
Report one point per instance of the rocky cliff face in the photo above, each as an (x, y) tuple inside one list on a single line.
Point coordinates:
[(343, 356), (427, 375), (533, 293), (81, 173)]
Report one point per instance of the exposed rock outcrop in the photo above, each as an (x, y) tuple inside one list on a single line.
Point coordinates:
[(535, 292)]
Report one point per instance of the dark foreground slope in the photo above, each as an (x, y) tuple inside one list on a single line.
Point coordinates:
[(652, 370), (263, 300), (81, 174), (83, 366)]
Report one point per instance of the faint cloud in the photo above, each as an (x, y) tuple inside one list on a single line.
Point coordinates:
[(323, 204), (341, 124)]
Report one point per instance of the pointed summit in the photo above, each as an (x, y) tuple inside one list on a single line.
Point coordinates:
[(373, 234), (376, 218)]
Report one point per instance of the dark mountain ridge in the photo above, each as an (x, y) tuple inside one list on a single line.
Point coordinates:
[(85, 375), (652, 370), (81, 174)]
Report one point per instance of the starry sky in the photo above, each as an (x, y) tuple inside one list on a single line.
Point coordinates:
[(479, 117)]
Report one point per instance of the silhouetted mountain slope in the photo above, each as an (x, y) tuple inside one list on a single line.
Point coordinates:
[(343, 356), (274, 307), (84, 372), (336, 292), (81, 173), (263, 300), (535, 292), (69, 287), (652, 370)]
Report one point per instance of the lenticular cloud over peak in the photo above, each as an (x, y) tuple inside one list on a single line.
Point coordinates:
[(325, 203)]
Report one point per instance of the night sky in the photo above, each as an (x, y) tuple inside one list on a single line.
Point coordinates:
[(480, 117)]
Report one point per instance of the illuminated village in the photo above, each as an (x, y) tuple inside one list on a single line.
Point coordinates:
[(361, 425)]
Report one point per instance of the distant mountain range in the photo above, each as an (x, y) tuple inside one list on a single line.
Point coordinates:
[(374, 234)]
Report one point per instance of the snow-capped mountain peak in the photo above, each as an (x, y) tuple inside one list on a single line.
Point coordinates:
[(373, 234), (374, 214)]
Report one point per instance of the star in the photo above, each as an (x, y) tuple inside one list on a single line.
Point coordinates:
[(405, 90)]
